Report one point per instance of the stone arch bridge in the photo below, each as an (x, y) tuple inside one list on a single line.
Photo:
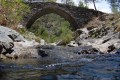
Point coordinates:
[(76, 16)]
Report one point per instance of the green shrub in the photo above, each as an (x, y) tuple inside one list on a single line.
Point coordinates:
[(12, 12), (52, 28), (28, 35)]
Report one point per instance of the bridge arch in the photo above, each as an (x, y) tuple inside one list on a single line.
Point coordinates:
[(56, 10)]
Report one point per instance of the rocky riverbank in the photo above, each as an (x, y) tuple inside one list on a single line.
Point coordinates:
[(13, 45), (102, 38)]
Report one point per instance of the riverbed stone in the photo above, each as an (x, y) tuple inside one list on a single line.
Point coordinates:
[(101, 38), (6, 47), (2, 56), (89, 51), (13, 45), (7, 39), (72, 44), (42, 53), (9, 32)]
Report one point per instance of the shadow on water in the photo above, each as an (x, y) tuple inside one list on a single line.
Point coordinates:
[(3, 74)]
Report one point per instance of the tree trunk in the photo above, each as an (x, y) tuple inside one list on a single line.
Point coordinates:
[(94, 5)]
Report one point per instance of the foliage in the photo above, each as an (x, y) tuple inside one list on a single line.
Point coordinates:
[(115, 5), (28, 35), (68, 2), (66, 34), (45, 0), (51, 0), (82, 5), (52, 28), (12, 12)]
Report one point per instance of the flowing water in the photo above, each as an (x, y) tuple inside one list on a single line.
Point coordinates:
[(101, 67)]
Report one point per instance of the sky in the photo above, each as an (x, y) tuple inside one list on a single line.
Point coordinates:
[(101, 5)]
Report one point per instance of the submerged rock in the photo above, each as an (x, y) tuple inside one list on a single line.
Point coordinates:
[(89, 51), (42, 53)]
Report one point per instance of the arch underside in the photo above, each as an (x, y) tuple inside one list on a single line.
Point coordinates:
[(54, 10)]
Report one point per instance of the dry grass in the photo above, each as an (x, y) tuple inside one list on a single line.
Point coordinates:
[(106, 20)]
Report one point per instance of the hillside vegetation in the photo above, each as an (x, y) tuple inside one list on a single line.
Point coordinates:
[(52, 28)]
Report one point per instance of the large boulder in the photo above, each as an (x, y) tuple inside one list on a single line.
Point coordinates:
[(12, 44), (7, 39), (26, 49), (11, 34)]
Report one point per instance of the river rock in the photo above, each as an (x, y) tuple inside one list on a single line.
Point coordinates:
[(42, 53), (60, 43), (28, 53), (6, 47), (7, 38), (1, 48), (2, 56), (72, 44), (89, 51), (26, 49), (111, 48), (106, 39), (13, 45), (15, 36), (118, 51), (42, 42)]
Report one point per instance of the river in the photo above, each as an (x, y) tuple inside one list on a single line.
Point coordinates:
[(61, 67)]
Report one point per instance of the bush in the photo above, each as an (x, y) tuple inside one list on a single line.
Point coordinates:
[(52, 28), (12, 12), (28, 35)]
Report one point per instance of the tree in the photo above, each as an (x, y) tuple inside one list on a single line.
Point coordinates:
[(115, 5), (81, 4), (93, 1), (48, 0), (12, 12), (68, 2), (51, 0), (94, 5), (85, 1)]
